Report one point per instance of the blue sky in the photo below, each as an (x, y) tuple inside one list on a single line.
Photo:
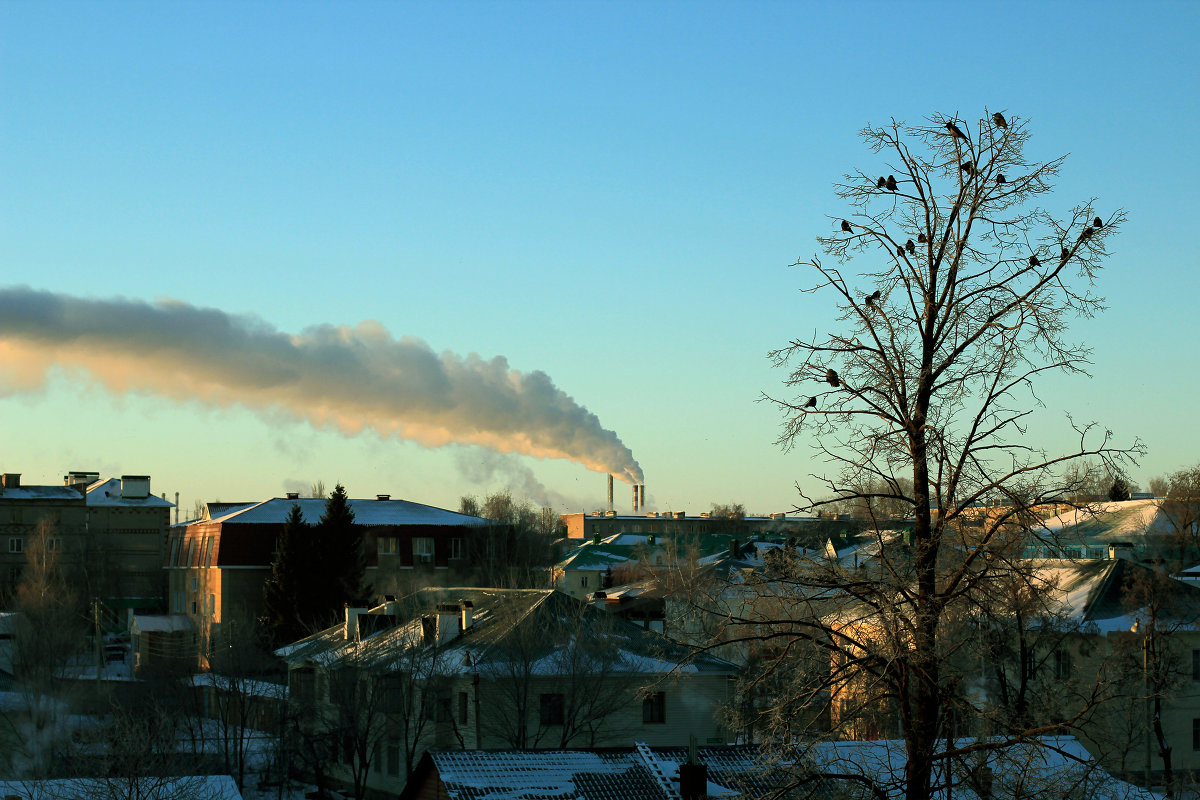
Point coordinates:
[(608, 192)]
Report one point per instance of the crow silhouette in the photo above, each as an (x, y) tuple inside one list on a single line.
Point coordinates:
[(873, 297), (999, 119), (900, 251), (832, 377), (967, 167), (891, 183), (846, 226), (1033, 261), (1087, 233), (921, 238), (1065, 255), (1000, 178), (955, 132), (910, 247), (1097, 223), (812, 403), (879, 184)]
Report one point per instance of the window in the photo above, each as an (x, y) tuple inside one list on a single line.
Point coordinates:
[(552, 709), (456, 549), (16, 544), (583, 581), (654, 708), (1196, 734), (422, 549), (54, 544), (387, 545), (1062, 664), (175, 552), (208, 543), (462, 708), (1196, 665)]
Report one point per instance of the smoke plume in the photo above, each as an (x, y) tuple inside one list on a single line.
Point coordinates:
[(348, 377)]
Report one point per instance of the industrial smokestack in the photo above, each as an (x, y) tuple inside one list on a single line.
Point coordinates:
[(635, 498), (642, 495), (610, 490)]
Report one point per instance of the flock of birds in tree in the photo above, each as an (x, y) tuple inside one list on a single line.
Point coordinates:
[(889, 183)]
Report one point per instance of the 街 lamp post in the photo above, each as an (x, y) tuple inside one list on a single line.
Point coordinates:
[(1146, 634)]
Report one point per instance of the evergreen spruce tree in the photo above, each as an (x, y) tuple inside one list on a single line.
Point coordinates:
[(343, 554), (286, 594)]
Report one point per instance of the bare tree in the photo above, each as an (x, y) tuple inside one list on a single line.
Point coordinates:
[(49, 633), (932, 379), (559, 677)]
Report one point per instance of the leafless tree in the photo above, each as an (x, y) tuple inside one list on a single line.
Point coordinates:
[(49, 632), (559, 677), (934, 383)]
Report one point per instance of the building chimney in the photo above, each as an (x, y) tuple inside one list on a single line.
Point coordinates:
[(468, 614), (449, 621), (383, 497), (293, 495), (635, 498), (12, 480), (642, 496), (350, 629), (135, 487), (610, 490)]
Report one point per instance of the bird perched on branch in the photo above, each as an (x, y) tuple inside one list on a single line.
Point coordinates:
[(999, 119), (879, 184), (812, 403), (1033, 261), (968, 167), (846, 226), (873, 297), (1097, 223), (1000, 178), (910, 247), (1065, 255), (955, 132), (1087, 233), (891, 183), (899, 251), (831, 377), (921, 238)]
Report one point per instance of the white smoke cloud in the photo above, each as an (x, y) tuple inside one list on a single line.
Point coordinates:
[(486, 466), (353, 378)]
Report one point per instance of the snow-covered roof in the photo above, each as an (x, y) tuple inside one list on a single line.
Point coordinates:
[(1057, 766), (40, 493), (108, 493), (1123, 521), (641, 772), (537, 621), (366, 512)]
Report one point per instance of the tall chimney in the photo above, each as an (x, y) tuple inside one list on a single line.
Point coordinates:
[(635, 498), (642, 495), (610, 488)]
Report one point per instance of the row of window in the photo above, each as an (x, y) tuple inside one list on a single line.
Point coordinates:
[(422, 548), (16, 544)]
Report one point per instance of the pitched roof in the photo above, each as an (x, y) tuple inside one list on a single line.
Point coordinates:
[(535, 619), (108, 493), (645, 773), (366, 512)]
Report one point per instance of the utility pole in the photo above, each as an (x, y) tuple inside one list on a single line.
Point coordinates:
[(99, 641)]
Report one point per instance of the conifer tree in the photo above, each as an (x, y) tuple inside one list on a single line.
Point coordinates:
[(286, 594), (342, 553)]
